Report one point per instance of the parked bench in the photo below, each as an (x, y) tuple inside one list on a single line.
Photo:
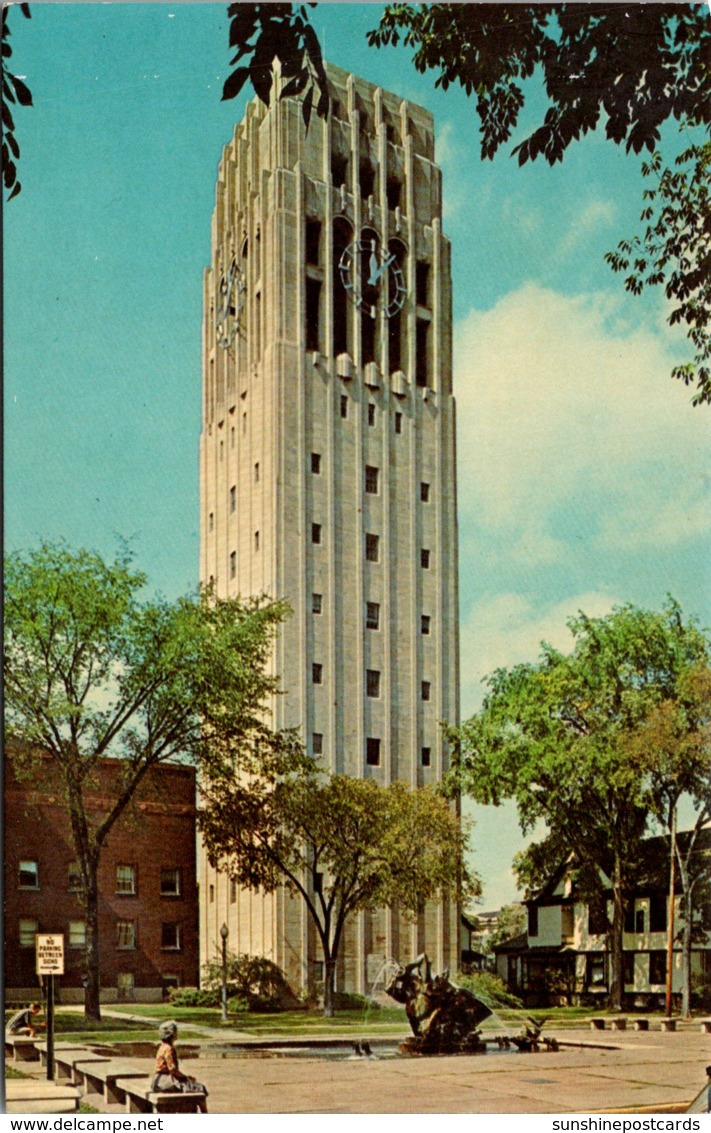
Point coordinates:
[(101, 1078), (38, 1096), (667, 1024), (60, 1048), (21, 1047), (619, 1024), (141, 1099), (64, 1062), (705, 1026), (641, 1024), (597, 1024)]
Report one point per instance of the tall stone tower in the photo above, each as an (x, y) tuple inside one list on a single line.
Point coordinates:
[(327, 467)]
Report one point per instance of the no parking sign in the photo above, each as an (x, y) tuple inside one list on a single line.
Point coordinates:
[(49, 948)]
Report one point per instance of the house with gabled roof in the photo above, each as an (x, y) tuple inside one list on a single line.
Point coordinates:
[(564, 956)]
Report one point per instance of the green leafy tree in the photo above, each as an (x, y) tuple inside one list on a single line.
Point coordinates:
[(672, 749), (554, 736), (512, 922), (340, 844), (93, 670), (14, 91), (675, 251)]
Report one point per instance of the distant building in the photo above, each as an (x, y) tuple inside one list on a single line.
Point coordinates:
[(328, 472), (564, 956), (148, 908)]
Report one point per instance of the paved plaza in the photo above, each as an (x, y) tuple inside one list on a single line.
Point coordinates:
[(626, 1071)]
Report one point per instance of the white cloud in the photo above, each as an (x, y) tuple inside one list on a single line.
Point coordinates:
[(569, 425), (592, 217), (505, 629)]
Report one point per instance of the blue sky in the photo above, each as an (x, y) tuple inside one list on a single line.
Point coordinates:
[(583, 469)]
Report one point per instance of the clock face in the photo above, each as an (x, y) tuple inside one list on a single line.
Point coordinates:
[(230, 300), (372, 278)]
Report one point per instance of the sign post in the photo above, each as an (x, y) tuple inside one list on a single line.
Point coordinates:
[(49, 949)]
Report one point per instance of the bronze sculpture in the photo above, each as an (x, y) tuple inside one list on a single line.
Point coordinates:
[(444, 1017)]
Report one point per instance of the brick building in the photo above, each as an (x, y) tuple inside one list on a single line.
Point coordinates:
[(148, 906)]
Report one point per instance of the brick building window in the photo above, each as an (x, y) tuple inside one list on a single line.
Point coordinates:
[(425, 558), (27, 930), (317, 673), (316, 463), (316, 603), (125, 985), (74, 884), (372, 682), (317, 743), (372, 751), (424, 492), (170, 882), (315, 532), (126, 934), (425, 623), (426, 756), (371, 480), (170, 935), (126, 879), (28, 875), (77, 934), (426, 690), (372, 548), (372, 615)]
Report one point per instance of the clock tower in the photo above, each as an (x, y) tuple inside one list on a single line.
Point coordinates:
[(327, 469)]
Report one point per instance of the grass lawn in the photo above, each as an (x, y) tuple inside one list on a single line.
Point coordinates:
[(388, 1019), (11, 1072)]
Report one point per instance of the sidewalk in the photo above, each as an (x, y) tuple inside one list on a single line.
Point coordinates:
[(633, 1071)]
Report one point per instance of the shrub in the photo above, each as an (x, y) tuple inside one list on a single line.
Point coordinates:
[(349, 1001), (253, 979), (194, 997), (490, 989)]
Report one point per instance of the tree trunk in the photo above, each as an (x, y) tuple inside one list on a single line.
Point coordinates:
[(92, 1002), (329, 987), (687, 912), (616, 941), (670, 917)]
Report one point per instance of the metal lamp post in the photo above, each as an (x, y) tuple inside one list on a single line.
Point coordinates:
[(224, 933)]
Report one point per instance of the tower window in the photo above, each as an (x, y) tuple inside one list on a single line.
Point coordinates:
[(256, 473), (317, 743), (317, 673), (313, 241), (315, 532), (398, 422), (367, 180), (425, 623), (372, 751), (256, 540), (344, 405), (371, 480), (233, 564), (372, 615), (232, 437), (425, 558), (422, 284), (394, 193), (372, 548), (422, 365), (372, 682), (233, 498), (211, 521), (233, 891), (425, 492), (244, 422), (316, 462), (339, 169), (426, 755), (222, 449), (316, 603), (426, 690), (371, 413), (313, 306)]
